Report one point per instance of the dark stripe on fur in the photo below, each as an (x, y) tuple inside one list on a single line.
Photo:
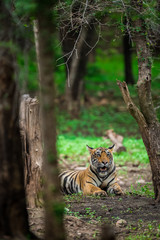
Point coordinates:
[(110, 173), (95, 174), (64, 185), (65, 181), (90, 183), (106, 188), (80, 186), (92, 179), (75, 184), (71, 189), (71, 186), (63, 173)]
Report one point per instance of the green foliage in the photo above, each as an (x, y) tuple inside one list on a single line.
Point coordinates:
[(60, 78), (103, 73), (108, 67), (23, 9), (28, 73), (94, 121)]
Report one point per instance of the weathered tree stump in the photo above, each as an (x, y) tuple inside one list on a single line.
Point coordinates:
[(32, 150)]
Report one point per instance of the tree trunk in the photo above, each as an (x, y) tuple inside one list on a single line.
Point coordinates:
[(74, 83), (13, 214), (35, 30), (52, 196), (151, 137), (127, 51), (32, 150), (146, 116), (76, 43)]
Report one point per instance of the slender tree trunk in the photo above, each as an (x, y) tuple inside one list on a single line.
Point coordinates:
[(52, 196), (75, 77), (127, 51), (13, 214), (79, 42), (146, 116)]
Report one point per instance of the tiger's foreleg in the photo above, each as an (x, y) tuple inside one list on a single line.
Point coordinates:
[(115, 189), (90, 189)]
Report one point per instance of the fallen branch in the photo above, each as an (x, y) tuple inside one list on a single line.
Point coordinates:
[(117, 140)]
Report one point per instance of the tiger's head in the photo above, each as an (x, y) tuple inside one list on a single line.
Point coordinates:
[(101, 159)]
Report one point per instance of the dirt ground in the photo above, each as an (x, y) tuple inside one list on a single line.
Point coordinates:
[(132, 216)]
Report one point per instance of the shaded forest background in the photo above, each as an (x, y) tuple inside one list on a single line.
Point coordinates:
[(101, 104), (74, 62)]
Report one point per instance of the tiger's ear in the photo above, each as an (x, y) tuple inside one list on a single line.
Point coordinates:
[(89, 148), (112, 147)]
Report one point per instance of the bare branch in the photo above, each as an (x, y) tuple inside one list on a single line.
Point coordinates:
[(132, 108)]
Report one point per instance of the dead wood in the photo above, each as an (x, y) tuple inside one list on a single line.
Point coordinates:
[(116, 139), (32, 149)]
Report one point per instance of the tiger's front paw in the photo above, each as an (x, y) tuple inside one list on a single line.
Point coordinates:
[(100, 193), (118, 191)]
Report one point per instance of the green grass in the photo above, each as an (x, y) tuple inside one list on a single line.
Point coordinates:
[(74, 149), (136, 152)]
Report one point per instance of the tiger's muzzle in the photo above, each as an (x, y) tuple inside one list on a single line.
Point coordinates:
[(103, 168)]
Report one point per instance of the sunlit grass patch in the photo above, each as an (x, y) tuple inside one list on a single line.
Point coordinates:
[(74, 148), (136, 152)]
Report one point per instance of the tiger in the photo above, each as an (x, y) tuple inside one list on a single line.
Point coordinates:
[(99, 179)]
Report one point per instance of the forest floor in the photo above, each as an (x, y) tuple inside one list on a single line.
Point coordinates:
[(132, 216)]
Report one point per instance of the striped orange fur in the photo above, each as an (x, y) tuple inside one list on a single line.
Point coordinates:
[(98, 179)]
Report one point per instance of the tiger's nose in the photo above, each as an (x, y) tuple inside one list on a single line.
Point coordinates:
[(105, 163)]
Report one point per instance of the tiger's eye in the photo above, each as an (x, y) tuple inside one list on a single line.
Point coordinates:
[(94, 160), (108, 154), (98, 154)]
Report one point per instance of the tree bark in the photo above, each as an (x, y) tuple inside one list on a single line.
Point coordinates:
[(52, 196), (32, 150), (146, 115), (36, 34), (13, 214), (151, 137), (127, 51)]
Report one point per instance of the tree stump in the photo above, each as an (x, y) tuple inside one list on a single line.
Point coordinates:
[(32, 150)]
